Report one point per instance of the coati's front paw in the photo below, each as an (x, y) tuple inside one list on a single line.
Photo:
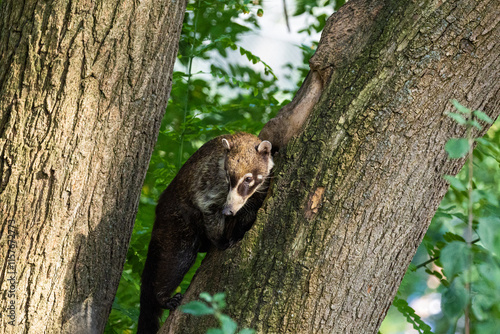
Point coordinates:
[(172, 303)]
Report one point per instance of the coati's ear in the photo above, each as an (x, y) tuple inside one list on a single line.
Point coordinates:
[(264, 147), (225, 143)]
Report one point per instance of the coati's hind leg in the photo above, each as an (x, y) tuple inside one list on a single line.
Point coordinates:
[(170, 255), (173, 262), (171, 270)]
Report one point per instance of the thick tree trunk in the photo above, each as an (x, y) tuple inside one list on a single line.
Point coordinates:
[(83, 88), (353, 195)]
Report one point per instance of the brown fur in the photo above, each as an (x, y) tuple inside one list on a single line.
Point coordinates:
[(190, 219)]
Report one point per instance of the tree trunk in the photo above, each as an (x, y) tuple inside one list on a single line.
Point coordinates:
[(83, 88), (353, 195)]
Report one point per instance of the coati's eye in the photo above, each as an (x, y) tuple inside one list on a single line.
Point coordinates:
[(247, 180)]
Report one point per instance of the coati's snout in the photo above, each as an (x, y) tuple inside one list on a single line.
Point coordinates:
[(235, 200), (228, 211), (247, 166)]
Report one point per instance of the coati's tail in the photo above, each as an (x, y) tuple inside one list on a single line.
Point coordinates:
[(149, 317)]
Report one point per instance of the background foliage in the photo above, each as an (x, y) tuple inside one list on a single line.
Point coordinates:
[(212, 94), (445, 266)]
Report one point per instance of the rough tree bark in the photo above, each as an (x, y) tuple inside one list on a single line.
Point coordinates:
[(353, 195), (83, 88)]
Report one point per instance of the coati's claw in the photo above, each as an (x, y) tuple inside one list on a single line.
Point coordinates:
[(173, 302)]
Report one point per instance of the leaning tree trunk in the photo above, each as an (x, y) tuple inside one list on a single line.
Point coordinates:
[(353, 195), (83, 88)]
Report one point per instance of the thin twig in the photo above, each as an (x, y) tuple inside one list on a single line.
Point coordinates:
[(186, 104), (471, 217), (432, 259), (286, 15)]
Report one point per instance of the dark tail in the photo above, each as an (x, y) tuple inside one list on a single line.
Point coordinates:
[(149, 317)]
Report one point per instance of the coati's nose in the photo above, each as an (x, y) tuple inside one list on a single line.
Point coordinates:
[(227, 211)]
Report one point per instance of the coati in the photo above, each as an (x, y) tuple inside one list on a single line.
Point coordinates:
[(212, 201)]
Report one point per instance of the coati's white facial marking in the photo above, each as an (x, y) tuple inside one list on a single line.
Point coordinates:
[(238, 195), (270, 165), (247, 165), (248, 179)]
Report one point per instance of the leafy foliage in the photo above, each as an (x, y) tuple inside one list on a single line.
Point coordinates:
[(213, 305), (411, 316)]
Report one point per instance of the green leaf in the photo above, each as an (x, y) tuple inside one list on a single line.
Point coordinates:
[(132, 313), (206, 297), (412, 318), (228, 325), (477, 303), (214, 331), (457, 117), (219, 296), (219, 304), (434, 273), (449, 237), (455, 182), (454, 300), (460, 107), (220, 300), (475, 124), (457, 147), (196, 307), (454, 258), (489, 232), (490, 274), (482, 116)]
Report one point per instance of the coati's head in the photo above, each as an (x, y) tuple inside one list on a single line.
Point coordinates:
[(248, 164)]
